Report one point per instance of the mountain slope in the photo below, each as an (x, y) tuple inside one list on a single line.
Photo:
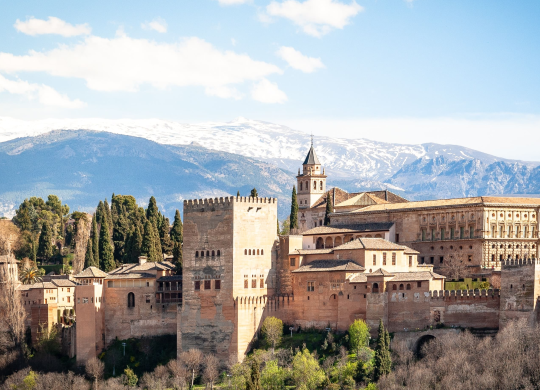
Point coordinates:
[(344, 159), (83, 167)]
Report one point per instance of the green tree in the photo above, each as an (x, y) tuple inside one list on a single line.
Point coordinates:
[(108, 215), (29, 381), (152, 212), (272, 331), (164, 236), (177, 231), (148, 247), (157, 244), (278, 232), (130, 378), (254, 380), (237, 193), (95, 240), (294, 210), (106, 250), (358, 336), (329, 210), (101, 214), (177, 257), (254, 193), (306, 372), (30, 275), (383, 360), (45, 246), (273, 377), (89, 256)]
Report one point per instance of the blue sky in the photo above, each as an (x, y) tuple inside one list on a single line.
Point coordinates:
[(409, 71)]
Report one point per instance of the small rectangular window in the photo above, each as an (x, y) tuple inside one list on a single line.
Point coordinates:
[(197, 285), (410, 261), (431, 260), (217, 284), (397, 237), (253, 283), (374, 259), (147, 298), (393, 259), (85, 300), (433, 238), (207, 285), (452, 233), (246, 283), (69, 299), (443, 234), (261, 283), (418, 284), (293, 261), (462, 232), (68, 290), (441, 259), (423, 234), (384, 258), (471, 232), (311, 286)]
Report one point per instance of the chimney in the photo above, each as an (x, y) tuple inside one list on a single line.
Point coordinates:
[(142, 260)]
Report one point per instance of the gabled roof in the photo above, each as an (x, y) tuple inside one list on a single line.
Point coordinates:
[(371, 243), (359, 227), (63, 283), (171, 278), (91, 272), (413, 276), (343, 198), (311, 252), (380, 272), (42, 285), (358, 278), (132, 275), (148, 266), (330, 265), (311, 158)]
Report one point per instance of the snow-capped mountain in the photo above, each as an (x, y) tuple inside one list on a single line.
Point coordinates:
[(344, 159)]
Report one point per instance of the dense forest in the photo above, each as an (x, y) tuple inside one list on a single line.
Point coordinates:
[(116, 233)]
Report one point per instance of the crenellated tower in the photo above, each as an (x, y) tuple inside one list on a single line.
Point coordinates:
[(311, 182)]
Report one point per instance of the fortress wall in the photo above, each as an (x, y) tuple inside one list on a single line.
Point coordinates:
[(90, 322), (408, 310)]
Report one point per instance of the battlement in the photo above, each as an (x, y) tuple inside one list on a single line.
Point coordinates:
[(198, 204), (519, 262), (465, 294)]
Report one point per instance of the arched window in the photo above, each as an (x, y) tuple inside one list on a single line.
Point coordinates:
[(300, 186), (321, 185), (257, 251), (262, 251), (213, 253), (245, 251), (207, 253), (219, 252), (131, 299), (314, 185), (320, 222), (250, 252), (307, 185), (375, 287), (394, 287), (401, 286), (408, 286), (196, 253), (319, 243), (202, 253)]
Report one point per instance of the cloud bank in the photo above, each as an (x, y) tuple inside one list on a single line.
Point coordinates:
[(298, 61), (52, 25)]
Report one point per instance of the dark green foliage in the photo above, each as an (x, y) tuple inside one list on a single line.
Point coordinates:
[(157, 244), (148, 247), (278, 232), (106, 255), (152, 212), (89, 257), (254, 193), (94, 236), (237, 193), (177, 257), (108, 215), (383, 360), (177, 231), (164, 237), (329, 210), (101, 214), (45, 247), (120, 233), (253, 382), (294, 210)]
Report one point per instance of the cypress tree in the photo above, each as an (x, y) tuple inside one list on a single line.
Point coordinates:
[(95, 241), (254, 193), (100, 213), (237, 193), (177, 257), (294, 210), (329, 209), (108, 215), (45, 246), (152, 212), (157, 244), (278, 232), (254, 380), (137, 244), (148, 247), (177, 230), (106, 255), (89, 257), (166, 243), (383, 360)]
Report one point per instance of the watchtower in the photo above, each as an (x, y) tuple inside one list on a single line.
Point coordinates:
[(311, 182)]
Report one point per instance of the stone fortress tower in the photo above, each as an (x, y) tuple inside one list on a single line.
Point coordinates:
[(229, 266)]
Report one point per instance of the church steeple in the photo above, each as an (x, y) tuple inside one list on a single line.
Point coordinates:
[(311, 181)]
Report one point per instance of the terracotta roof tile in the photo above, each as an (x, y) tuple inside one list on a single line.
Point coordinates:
[(370, 243), (413, 276), (360, 227), (310, 252), (330, 265), (132, 275), (63, 283), (42, 285), (91, 272), (358, 278), (171, 278), (379, 272)]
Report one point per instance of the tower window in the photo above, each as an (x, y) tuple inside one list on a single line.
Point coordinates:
[(314, 185), (196, 253), (321, 185), (300, 186), (131, 299)]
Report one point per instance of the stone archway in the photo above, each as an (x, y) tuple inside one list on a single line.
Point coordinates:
[(338, 241), (328, 243), (320, 243), (420, 343)]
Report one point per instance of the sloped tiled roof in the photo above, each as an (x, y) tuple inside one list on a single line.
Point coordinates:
[(42, 285), (380, 272), (358, 278), (131, 275), (413, 276), (148, 266), (359, 227), (171, 278), (311, 251), (91, 272), (311, 157), (330, 265), (63, 283), (370, 243), (342, 197)]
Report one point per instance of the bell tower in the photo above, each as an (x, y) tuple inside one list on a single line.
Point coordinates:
[(311, 182)]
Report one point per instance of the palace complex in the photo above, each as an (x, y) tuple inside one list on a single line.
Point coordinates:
[(380, 257)]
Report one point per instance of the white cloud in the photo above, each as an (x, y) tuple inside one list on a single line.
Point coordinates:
[(224, 92), (233, 2), (45, 94), (158, 24), (124, 64), (53, 25), (316, 17), (298, 61), (267, 92)]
